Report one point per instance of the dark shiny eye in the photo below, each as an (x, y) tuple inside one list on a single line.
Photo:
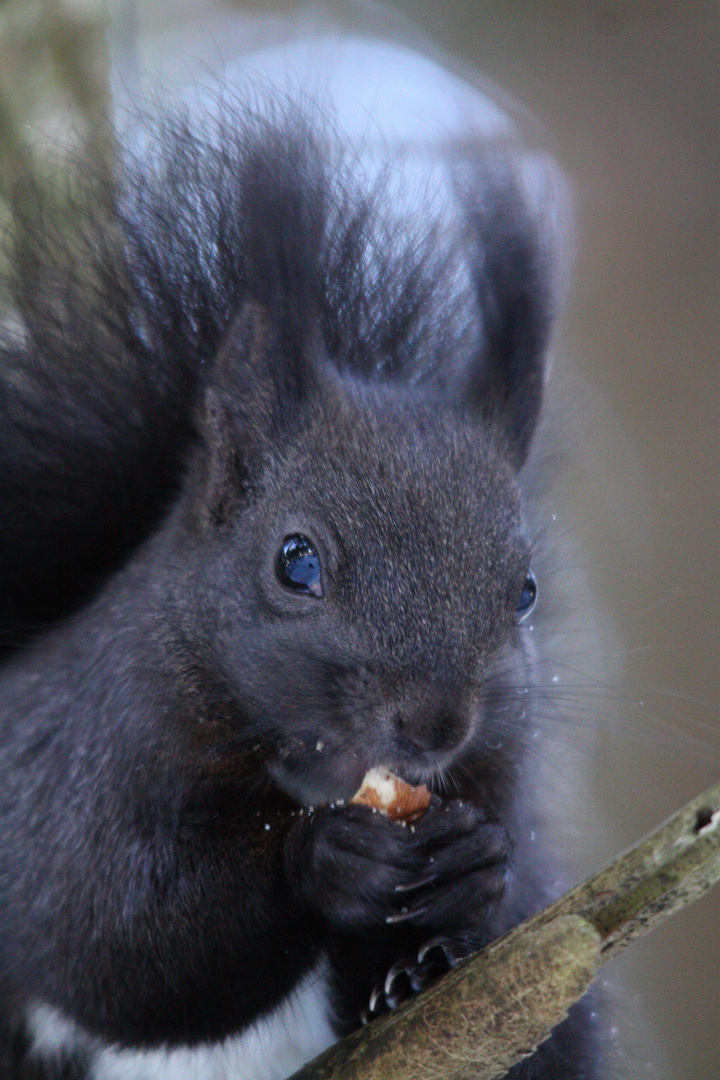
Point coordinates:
[(527, 599), (298, 565)]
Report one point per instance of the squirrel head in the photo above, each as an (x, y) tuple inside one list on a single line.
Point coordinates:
[(361, 565)]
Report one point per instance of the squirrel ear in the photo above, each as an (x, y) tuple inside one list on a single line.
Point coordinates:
[(266, 375), (259, 388), (267, 368), (514, 283)]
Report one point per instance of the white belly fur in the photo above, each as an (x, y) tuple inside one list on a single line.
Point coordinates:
[(272, 1049)]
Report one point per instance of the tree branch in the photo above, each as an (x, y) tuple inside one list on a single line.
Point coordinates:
[(496, 1007)]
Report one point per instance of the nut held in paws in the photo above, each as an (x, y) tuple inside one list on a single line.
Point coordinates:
[(386, 792)]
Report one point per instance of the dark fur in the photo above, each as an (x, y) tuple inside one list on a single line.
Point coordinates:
[(207, 368)]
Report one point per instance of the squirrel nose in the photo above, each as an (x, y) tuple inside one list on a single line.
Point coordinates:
[(429, 730)]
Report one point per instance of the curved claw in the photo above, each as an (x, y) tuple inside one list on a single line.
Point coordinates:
[(405, 915), (447, 952), (400, 967), (419, 884), (377, 995), (436, 957), (399, 982)]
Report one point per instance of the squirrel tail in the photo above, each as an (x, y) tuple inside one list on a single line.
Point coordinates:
[(95, 405)]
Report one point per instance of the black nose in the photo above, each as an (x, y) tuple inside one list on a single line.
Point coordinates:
[(433, 729)]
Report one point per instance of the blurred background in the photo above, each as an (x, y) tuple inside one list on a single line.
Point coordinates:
[(627, 97)]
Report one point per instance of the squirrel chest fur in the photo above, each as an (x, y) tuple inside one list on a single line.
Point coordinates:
[(260, 471)]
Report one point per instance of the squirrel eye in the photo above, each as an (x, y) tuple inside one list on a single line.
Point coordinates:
[(527, 599), (298, 565)]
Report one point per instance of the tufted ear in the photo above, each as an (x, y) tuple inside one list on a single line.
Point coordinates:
[(259, 391), (269, 364), (514, 281)]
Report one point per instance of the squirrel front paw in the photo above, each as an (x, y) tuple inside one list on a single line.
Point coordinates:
[(465, 864), (360, 871)]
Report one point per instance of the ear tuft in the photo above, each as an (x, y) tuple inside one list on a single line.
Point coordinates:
[(257, 397), (514, 283), (284, 209), (228, 473)]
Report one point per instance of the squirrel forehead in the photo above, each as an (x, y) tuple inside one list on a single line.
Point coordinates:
[(376, 460), (421, 511)]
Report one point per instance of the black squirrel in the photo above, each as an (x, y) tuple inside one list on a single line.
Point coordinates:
[(263, 417)]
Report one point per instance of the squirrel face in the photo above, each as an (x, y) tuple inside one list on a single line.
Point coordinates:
[(367, 565), (361, 561)]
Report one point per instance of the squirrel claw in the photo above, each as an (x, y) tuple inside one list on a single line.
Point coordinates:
[(441, 951), (400, 967), (399, 982), (405, 914), (421, 883), (377, 1001), (407, 977)]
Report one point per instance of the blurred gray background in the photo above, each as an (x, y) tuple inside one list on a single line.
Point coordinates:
[(627, 97)]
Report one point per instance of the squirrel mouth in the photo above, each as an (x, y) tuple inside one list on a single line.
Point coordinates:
[(313, 777)]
